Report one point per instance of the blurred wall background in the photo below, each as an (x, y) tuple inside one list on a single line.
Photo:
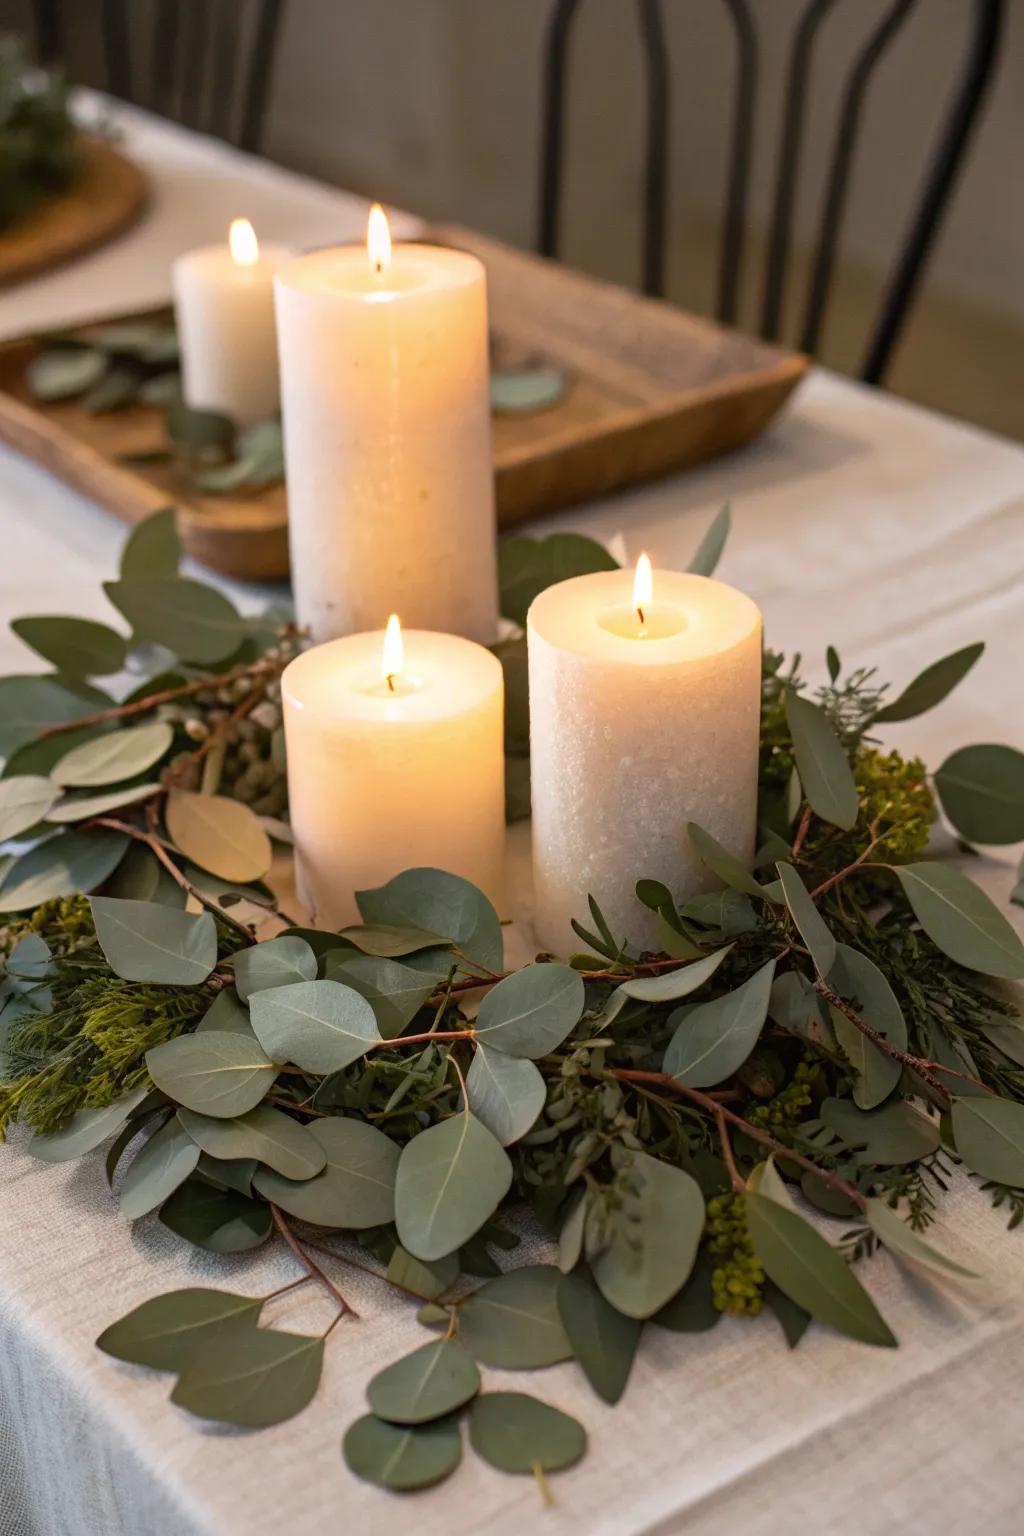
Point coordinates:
[(434, 105)]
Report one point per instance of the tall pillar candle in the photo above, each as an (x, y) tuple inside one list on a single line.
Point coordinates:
[(384, 378), (224, 303), (644, 715), (393, 765)]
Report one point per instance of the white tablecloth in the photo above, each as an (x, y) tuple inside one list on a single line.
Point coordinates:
[(860, 521)]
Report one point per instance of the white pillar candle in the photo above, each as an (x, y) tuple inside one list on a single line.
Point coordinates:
[(393, 765), (224, 302), (643, 716), (384, 384)]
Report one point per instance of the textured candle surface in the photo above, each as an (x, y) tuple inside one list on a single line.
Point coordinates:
[(225, 317), (388, 441), (379, 782), (633, 737)]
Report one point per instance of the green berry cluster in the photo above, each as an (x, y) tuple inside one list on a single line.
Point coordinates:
[(737, 1280), (789, 1105)]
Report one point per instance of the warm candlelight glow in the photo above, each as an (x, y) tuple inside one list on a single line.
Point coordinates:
[(643, 587), (378, 240), (392, 656), (242, 243)]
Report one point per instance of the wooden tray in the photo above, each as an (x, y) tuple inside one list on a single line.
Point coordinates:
[(108, 195), (650, 390)]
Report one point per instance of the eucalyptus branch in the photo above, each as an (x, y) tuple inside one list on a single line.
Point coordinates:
[(156, 846), (858, 863), (715, 1107), (308, 1263), (802, 831), (727, 1157), (256, 669), (924, 1067)]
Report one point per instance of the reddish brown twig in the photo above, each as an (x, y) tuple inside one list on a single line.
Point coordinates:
[(155, 845), (922, 1065), (308, 1263), (262, 668)]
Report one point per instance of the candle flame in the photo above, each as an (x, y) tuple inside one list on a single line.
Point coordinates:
[(242, 243), (393, 654), (643, 586), (378, 240)]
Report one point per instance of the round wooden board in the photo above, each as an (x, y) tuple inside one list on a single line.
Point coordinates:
[(107, 196)]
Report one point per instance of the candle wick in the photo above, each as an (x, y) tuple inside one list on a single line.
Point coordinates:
[(391, 681), (378, 267), (641, 613)]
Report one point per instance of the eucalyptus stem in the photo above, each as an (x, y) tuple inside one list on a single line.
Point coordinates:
[(922, 1065), (261, 668), (715, 1108), (308, 1263), (727, 1157), (155, 845)]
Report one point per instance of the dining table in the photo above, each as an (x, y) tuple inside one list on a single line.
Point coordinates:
[(859, 521)]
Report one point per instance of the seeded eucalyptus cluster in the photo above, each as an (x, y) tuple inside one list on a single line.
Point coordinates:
[(725, 1125)]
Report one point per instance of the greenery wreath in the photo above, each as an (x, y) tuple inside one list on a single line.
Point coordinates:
[(822, 1037)]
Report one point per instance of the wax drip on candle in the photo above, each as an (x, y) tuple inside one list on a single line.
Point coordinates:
[(378, 241), (242, 243), (392, 656), (643, 590)]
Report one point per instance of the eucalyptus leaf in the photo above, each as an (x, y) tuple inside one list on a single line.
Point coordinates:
[(61, 373), (822, 763), (513, 1321), (426, 1280), (230, 1173), (692, 1309), (219, 834), (714, 1039), (217, 1220), (275, 963), (603, 1340), (959, 918), (402, 1457), (114, 757), (395, 992), (434, 1380), (527, 566), (146, 941), (24, 800), (793, 1320), (30, 704), (810, 924), (532, 1011), (194, 429), (989, 1136), (811, 1272), (168, 1331), (321, 1026), (226, 1013), (907, 1244), (893, 1135), (86, 1130), (451, 1178), (795, 1006), (506, 1093), (76, 647), (215, 1073), (649, 1259), (164, 1163), (152, 548), (709, 550), (517, 1433), (436, 902), (672, 985), (251, 1377), (193, 620), (385, 940), (515, 392), (859, 982), (982, 792), (63, 865), (1006, 1036), (356, 1187), (931, 686), (262, 1133), (84, 807), (722, 863)]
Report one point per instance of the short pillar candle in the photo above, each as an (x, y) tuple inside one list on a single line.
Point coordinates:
[(224, 304), (393, 763), (644, 715), (385, 395)]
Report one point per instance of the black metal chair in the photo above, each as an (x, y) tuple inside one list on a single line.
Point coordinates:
[(965, 100), (204, 63)]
